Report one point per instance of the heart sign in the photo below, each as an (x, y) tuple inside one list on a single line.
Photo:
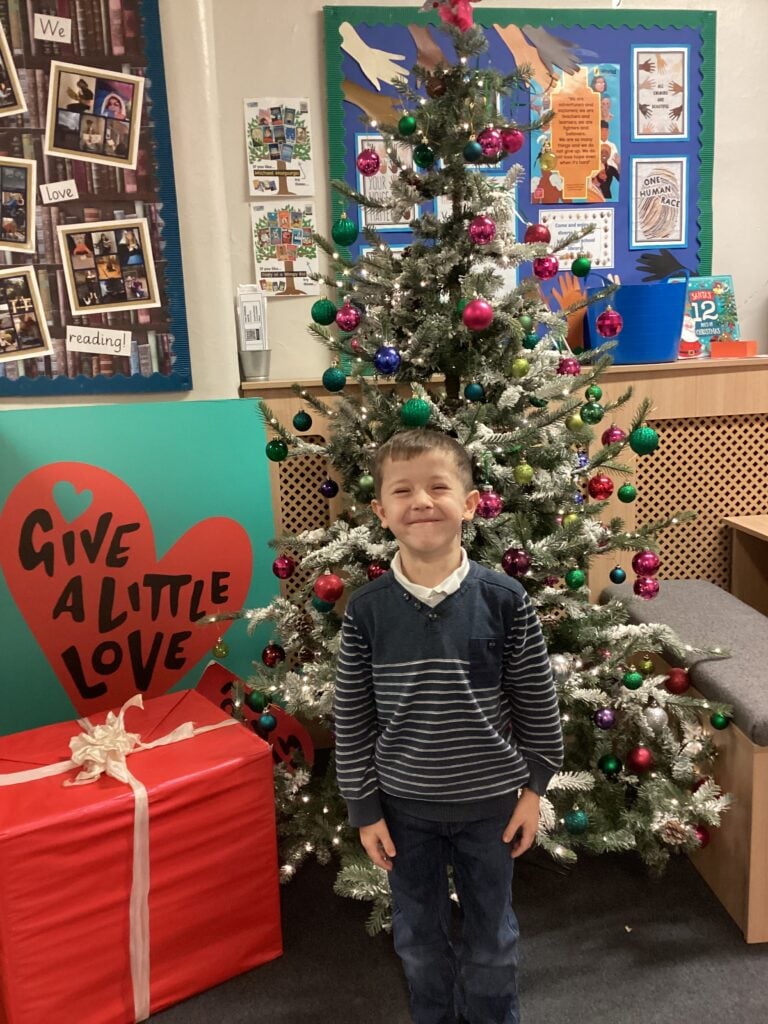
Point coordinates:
[(78, 552)]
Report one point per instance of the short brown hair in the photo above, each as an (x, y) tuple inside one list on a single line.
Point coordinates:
[(410, 443)]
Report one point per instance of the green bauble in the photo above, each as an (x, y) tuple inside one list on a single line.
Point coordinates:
[(323, 312), (523, 474), (581, 266), (574, 422), (609, 765), (626, 493), (256, 701), (474, 392), (591, 413), (423, 156), (276, 450), (594, 393), (344, 232), (633, 679), (539, 403), (220, 649), (407, 124), (334, 379), (461, 305), (576, 822), (525, 321), (719, 721), (302, 420), (415, 412), (321, 606), (530, 341), (519, 367), (575, 578), (643, 440), (365, 483)]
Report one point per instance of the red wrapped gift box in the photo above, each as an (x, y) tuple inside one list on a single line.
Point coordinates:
[(66, 868)]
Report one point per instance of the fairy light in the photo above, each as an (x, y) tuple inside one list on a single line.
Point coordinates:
[(374, 124)]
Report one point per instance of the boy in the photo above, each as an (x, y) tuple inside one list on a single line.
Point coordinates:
[(447, 732)]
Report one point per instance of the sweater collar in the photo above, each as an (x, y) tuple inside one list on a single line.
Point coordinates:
[(432, 595)]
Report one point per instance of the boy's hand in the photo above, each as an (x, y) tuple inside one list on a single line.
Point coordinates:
[(378, 844), (522, 826)]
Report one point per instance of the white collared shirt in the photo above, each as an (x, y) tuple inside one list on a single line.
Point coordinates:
[(432, 595)]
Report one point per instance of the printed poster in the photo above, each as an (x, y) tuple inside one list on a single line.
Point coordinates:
[(278, 139), (284, 249), (658, 209), (661, 90), (378, 187)]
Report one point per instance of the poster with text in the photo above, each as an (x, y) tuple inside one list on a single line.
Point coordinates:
[(278, 139), (284, 251), (658, 211), (660, 102)]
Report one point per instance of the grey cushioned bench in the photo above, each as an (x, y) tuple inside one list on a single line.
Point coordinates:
[(735, 863)]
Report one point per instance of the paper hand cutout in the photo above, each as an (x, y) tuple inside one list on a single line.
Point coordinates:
[(658, 265), (554, 51), (377, 65)]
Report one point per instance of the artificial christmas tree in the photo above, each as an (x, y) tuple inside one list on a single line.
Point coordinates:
[(490, 366)]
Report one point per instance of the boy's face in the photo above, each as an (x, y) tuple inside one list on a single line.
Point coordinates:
[(423, 503)]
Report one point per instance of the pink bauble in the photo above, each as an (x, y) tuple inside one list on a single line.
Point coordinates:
[(348, 317), (355, 345), (536, 233), (646, 587), (545, 267), (482, 230), (490, 141), (609, 323), (569, 367), (639, 760), (613, 435), (516, 562), (376, 569), (368, 162), (329, 587), (477, 315), (645, 563), (600, 487), (284, 567), (511, 140), (702, 834), (490, 505)]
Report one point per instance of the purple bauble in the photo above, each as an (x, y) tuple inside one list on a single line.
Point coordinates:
[(545, 267), (490, 141), (609, 323), (646, 587), (605, 718), (569, 367), (646, 563), (376, 569), (368, 163), (284, 567), (551, 581), (516, 562), (477, 315), (386, 359), (511, 140), (490, 504), (329, 488), (613, 435), (482, 230), (348, 317)]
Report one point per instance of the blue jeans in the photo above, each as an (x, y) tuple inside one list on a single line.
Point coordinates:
[(479, 979)]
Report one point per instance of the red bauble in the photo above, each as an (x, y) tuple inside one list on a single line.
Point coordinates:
[(355, 345), (490, 141), (329, 587), (477, 315), (511, 140), (702, 834), (490, 504), (545, 267), (646, 587), (348, 317), (537, 233), (639, 760), (569, 367), (376, 569), (609, 323), (284, 567), (482, 230), (600, 487), (272, 655), (646, 563), (368, 162), (677, 681), (613, 435)]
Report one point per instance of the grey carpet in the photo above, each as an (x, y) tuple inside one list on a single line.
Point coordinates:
[(602, 944)]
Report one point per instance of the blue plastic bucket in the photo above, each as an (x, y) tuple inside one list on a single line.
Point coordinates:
[(653, 321)]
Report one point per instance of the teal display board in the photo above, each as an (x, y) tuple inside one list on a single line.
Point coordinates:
[(121, 527)]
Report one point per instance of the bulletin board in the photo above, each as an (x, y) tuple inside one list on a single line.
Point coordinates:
[(630, 149), (91, 285)]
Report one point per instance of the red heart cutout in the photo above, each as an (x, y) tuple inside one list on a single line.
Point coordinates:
[(112, 619)]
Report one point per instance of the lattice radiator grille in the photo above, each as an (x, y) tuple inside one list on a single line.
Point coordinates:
[(302, 506), (716, 466)]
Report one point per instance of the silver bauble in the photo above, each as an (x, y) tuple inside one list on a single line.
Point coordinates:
[(656, 717), (561, 667)]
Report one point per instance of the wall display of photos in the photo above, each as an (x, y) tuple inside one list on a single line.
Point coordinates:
[(630, 148), (89, 235)]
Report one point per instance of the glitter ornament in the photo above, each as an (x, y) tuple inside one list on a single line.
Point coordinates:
[(575, 579), (523, 474), (348, 317), (323, 312), (569, 367), (609, 765), (576, 822), (511, 140), (646, 563), (220, 649), (537, 233), (626, 493), (284, 567), (321, 606), (267, 722), (256, 700), (329, 587), (604, 718), (548, 161), (473, 151), (582, 459), (677, 681), (477, 315), (334, 379), (719, 721), (617, 574), (407, 124), (490, 504), (276, 450), (368, 163), (609, 323), (656, 718), (581, 266), (416, 412), (570, 518), (593, 393), (519, 367), (646, 587), (490, 142), (482, 229), (329, 488), (423, 156), (355, 345), (386, 359), (702, 834), (643, 440), (613, 435), (344, 231), (272, 654), (530, 341), (516, 562), (592, 413), (574, 422), (302, 420), (600, 487), (545, 267), (474, 392), (640, 760), (632, 679), (376, 569)]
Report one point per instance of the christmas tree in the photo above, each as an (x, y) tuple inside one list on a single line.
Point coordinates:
[(489, 365)]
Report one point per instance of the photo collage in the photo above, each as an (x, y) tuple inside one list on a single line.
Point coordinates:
[(23, 329), (17, 204)]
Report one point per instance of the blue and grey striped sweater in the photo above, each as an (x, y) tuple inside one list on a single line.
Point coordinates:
[(446, 710)]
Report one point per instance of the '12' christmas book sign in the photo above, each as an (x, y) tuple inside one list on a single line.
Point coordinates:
[(710, 314)]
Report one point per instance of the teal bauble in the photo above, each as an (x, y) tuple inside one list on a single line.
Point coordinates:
[(575, 578), (415, 412), (643, 440), (530, 341), (626, 493), (302, 420), (321, 606), (591, 413), (594, 393), (539, 403), (473, 151), (609, 765), (267, 722), (423, 156), (632, 679), (407, 124), (323, 312), (334, 379), (276, 450), (581, 266), (576, 822), (617, 574), (474, 392), (344, 232)]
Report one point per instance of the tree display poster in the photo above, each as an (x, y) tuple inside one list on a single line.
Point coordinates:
[(278, 139), (284, 251)]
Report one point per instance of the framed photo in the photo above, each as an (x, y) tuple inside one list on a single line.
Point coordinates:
[(108, 266), (18, 200), (11, 97), (93, 114), (23, 323), (661, 93), (658, 214)]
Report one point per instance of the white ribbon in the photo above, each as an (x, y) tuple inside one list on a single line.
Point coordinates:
[(102, 750)]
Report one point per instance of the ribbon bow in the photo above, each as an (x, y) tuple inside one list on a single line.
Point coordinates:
[(453, 12)]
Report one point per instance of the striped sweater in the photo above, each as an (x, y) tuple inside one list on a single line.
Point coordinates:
[(446, 710)]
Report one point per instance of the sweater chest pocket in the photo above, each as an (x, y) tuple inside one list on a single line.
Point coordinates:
[(485, 656)]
